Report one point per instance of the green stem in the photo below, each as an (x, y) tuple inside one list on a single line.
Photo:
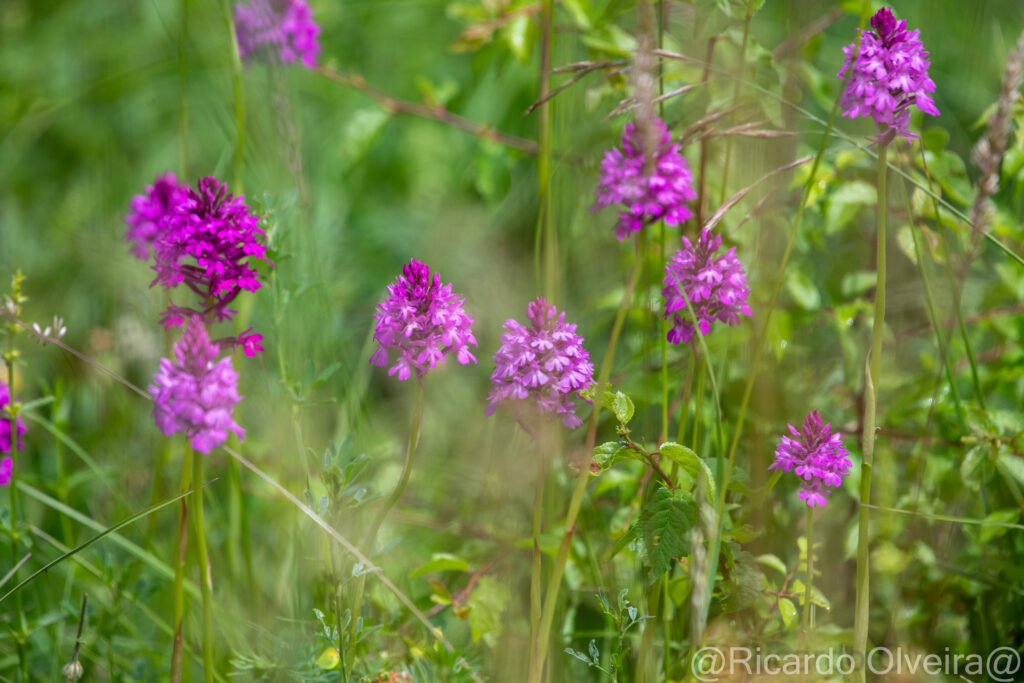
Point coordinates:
[(808, 605), (700, 368), (535, 570), (205, 575), (414, 436), (862, 604), (555, 580), (177, 650)]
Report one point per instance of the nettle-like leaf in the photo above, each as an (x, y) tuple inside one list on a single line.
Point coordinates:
[(747, 579), (665, 522)]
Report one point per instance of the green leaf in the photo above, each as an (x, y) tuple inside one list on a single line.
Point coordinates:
[(788, 611), (803, 291), (747, 580), (665, 522), (973, 470), (441, 562), (774, 562), (623, 407), (611, 452), (1011, 466), (487, 604), (691, 463), (846, 201), (817, 597), (995, 523)]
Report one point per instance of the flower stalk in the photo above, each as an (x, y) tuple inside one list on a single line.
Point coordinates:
[(205, 574), (862, 604)]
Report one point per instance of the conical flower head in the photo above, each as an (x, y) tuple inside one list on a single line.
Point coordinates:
[(649, 191), (889, 75), (150, 212), (818, 457), (196, 393), (543, 366), (207, 245), (277, 30), (715, 285), (423, 321)]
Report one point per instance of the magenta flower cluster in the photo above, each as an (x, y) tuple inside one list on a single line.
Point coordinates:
[(649, 192), (423, 321), (203, 238), (818, 457), (150, 212), (277, 30), (889, 75), (7, 465), (219, 232), (544, 364), (715, 285), (196, 393)]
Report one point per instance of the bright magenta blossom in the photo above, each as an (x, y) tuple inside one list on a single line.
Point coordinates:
[(817, 455), (543, 366), (196, 393), (889, 76), (647, 197), (715, 285), (423, 321)]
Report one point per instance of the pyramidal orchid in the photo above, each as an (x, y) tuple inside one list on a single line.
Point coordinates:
[(889, 75), (714, 284), (277, 30), (207, 244), (543, 365), (817, 455), (648, 191), (196, 393), (423, 321)]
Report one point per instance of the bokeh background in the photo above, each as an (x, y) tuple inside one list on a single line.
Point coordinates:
[(91, 109)]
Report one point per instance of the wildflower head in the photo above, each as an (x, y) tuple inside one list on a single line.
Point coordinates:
[(715, 285), (423, 321), (543, 366), (817, 455), (5, 426), (656, 190), (277, 30), (196, 393), (150, 212), (207, 245), (889, 75)]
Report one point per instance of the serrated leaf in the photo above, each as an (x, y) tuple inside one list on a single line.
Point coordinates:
[(441, 562), (665, 522), (609, 453), (972, 469), (623, 407)]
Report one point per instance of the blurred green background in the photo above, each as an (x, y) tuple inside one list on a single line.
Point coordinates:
[(91, 110)]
